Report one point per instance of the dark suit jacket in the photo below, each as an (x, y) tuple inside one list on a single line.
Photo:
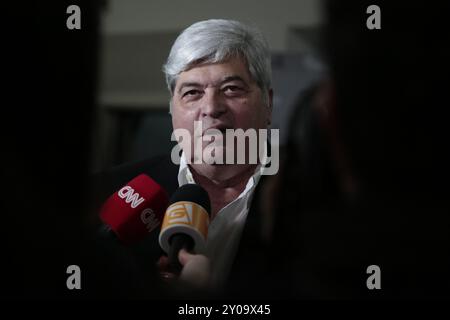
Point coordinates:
[(248, 276)]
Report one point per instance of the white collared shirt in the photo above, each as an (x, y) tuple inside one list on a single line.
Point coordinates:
[(224, 232)]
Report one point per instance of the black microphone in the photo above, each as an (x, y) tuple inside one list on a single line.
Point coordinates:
[(185, 223)]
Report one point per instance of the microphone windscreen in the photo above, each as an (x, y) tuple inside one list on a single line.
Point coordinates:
[(188, 214), (192, 193), (136, 209)]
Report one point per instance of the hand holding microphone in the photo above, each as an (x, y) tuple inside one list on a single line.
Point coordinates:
[(138, 208), (185, 224), (196, 269)]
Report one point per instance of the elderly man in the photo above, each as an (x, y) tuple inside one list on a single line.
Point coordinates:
[(218, 73), (219, 76)]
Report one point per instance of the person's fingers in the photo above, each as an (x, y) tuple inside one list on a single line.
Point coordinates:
[(184, 256), (196, 269)]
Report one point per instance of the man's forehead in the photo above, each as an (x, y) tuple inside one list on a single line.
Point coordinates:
[(229, 70)]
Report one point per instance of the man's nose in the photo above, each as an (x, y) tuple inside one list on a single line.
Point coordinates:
[(213, 105)]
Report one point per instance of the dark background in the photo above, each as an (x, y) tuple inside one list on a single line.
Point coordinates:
[(48, 98), (57, 127)]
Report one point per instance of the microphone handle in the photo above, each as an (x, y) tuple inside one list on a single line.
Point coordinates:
[(177, 242)]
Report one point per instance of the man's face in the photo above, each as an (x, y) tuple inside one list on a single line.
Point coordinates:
[(221, 96)]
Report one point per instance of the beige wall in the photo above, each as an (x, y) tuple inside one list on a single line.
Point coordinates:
[(272, 17), (138, 34)]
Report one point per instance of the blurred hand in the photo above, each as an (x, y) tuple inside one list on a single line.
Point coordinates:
[(196, 269)]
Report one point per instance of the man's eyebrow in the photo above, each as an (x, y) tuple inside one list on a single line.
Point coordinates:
[(232, 78)]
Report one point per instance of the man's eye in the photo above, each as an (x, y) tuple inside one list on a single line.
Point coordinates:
[(191, 93), (233, 89)]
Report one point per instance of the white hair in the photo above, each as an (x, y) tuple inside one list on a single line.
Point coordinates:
[(214, 41)]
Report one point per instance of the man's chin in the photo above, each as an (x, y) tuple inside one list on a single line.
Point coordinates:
[(219, 172)]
